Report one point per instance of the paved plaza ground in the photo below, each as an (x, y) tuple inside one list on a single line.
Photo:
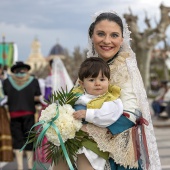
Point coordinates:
[(163, 141)]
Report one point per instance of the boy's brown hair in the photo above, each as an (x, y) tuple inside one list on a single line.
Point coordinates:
[(91, 68)]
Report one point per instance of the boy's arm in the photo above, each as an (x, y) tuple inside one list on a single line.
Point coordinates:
[(106, 115)]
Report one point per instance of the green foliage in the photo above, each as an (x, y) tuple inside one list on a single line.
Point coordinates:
[(63, 97), (53, 152)]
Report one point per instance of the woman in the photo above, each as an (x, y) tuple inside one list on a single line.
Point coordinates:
[(109, 40)]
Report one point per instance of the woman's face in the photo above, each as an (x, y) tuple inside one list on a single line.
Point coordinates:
[(107, 39)]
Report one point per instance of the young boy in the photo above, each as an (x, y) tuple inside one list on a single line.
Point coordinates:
[(94, 76), (98, 104)]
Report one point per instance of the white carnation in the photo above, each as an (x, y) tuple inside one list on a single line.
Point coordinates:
[(66, 123)]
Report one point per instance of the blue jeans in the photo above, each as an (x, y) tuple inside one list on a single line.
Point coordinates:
[(156, 105)]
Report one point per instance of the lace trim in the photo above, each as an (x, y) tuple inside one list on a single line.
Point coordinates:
[(119, 71), (107, 166), (120, 147), (142, 100)]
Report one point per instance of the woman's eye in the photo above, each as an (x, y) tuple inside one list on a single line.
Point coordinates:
[(114, 35), (100, 34)]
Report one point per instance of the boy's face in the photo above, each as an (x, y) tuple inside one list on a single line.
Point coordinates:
[(95, 86)]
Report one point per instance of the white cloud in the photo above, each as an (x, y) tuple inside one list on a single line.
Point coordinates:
[(68, 21), (65, 36)]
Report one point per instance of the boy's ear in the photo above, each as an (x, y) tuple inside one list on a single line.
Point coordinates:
[(81, 83)]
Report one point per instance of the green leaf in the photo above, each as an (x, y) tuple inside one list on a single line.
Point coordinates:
[(53, 152)]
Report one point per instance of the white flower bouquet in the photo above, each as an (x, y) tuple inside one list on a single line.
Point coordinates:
[(67, 125), (61, 129)]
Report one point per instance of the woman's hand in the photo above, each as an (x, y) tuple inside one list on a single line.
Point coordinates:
[(79, 114), (83, 128)]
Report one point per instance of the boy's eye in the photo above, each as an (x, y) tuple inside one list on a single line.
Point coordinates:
[(91, 79)]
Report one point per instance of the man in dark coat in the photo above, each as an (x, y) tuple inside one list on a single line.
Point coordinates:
[(21, 89)]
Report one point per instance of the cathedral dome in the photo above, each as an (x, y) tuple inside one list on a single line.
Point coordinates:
[(57, 50)]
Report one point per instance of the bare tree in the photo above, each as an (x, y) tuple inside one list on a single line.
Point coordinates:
[(72, 63), (144, 42)]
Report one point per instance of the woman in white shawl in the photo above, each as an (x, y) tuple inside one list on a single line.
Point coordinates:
[(134, 148), (109, 40)]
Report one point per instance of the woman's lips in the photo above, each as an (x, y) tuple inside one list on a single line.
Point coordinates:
[(106, 48)]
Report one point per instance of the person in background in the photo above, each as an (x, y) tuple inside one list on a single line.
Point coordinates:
[(1, 72), (5, 71), (46, 90), (166, 103), (6, 150), (48, 82), (57, 78), (155, 84), (21, 91), (158, 103)]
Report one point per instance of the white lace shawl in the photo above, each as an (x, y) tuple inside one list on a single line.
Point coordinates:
[(140, 93), (142, 100)]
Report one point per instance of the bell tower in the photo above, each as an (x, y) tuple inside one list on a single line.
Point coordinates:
[(36, 60)]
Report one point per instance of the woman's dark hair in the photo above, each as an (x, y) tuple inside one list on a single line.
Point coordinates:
[(106, 16), (51, 62), (91, 68)]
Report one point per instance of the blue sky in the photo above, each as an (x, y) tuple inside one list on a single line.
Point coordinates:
[(63, 21)]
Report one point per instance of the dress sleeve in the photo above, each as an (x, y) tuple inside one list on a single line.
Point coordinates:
[(106, 115)]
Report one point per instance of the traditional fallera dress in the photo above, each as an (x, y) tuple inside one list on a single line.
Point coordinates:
[(6, 150), (131, 148), (126, 75)]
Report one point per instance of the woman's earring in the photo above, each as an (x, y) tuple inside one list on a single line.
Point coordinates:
[(93, 50), (120, 49)]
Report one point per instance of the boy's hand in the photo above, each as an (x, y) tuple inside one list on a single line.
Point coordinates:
[(79, 114)]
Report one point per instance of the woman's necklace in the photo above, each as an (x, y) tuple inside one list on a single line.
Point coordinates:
[(110, 61)]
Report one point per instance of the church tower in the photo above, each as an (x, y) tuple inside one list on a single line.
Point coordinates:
[(39, 64)]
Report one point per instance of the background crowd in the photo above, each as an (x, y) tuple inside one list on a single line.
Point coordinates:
[(22, 97), (161, 101)]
